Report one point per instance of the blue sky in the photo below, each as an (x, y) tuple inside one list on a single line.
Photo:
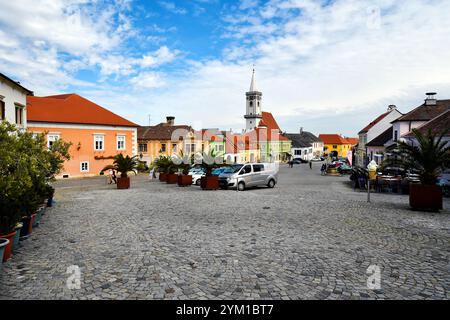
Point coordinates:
[(326, 66)]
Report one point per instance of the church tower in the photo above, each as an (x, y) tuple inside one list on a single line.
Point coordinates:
[(254, 104)]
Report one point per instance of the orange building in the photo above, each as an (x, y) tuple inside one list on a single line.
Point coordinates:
[(96, 134)]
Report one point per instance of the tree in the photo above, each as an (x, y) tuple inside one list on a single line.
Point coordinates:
[(124, 165)]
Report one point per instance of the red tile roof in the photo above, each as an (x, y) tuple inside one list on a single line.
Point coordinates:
[(332, 139), (374, 122), (268, 121), (72, 108), (352, 141)]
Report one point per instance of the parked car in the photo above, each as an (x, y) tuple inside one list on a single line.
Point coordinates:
[(249, 175), (196, 176), (318, 159), (344, 169), (299, 161), (218, 171)]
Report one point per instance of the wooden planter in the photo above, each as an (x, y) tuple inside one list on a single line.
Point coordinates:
[(123, 183), (172, 178), (425, 197), (184, 180), (162, 176), (209, 183)]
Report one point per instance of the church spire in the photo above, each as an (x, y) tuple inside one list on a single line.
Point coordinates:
[(253, 83)]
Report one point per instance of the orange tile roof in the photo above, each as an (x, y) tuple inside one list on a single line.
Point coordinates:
[(72, 108), (352, 141), (268, 121), (332, 139)]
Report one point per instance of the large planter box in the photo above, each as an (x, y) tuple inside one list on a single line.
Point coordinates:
[(123, 183), (209, 183), (425, 197), (163, 177), (8, 247), (172, 178), (3, 244), (184, 180)]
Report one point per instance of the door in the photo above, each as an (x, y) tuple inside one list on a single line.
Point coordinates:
[(259, 175), (246, 175)]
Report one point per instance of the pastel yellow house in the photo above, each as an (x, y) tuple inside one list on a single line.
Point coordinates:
[(166, 139), (336, 145)]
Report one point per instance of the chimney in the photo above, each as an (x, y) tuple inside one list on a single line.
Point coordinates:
[(430, 100), (392, 107), (301, 130), (170, 121)]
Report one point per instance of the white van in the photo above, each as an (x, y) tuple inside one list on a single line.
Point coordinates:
[(242, 176)]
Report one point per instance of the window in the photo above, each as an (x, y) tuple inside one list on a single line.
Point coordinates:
[(163, 148), (395, 135), (174, 148), (334, 146), (99, 142), (143, 147), (51, 138), (246, 169), (84, 166), (258, 168), (2, 110), (298, 152), (19, 115), (190, 148), (218, 147), (120, 142)]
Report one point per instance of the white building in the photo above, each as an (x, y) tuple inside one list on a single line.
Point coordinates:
[(419, 116), (254, 105), (372, 131), (13, 101), (305, 145)]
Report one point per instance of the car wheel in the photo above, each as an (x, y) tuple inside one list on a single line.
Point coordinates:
[(197, 183), (241, 186), (271, 183)]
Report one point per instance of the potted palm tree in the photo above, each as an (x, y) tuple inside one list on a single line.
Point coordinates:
[(172, 172), (429, 158), (162, 165), (124, 165), (210, 161), (183, 163)]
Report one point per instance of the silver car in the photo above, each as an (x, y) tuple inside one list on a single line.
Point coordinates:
[(242, 176)]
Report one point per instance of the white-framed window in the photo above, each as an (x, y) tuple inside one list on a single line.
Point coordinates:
[(51, 138), (218, 148), (174, 148), (120, 142), (190, 148), (99, 142), (84, 166)]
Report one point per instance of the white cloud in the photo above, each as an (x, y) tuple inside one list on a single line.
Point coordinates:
[(147, 80), (170, 6), (322, 61)]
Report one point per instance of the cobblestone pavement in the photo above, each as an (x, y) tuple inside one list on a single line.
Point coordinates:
[(311, 237)]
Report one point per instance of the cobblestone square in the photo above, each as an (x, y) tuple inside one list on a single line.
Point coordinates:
[(311, 237)]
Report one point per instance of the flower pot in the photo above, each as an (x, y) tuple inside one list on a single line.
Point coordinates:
[(8, 247), (184, 180), (37, 220), (425, 197), (3, 244), (162, 177), (171, 178), (27, 227), (209, 183), (17, 236), (123, 183)]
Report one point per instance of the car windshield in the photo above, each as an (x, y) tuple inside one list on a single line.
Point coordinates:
[(233, 169)]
